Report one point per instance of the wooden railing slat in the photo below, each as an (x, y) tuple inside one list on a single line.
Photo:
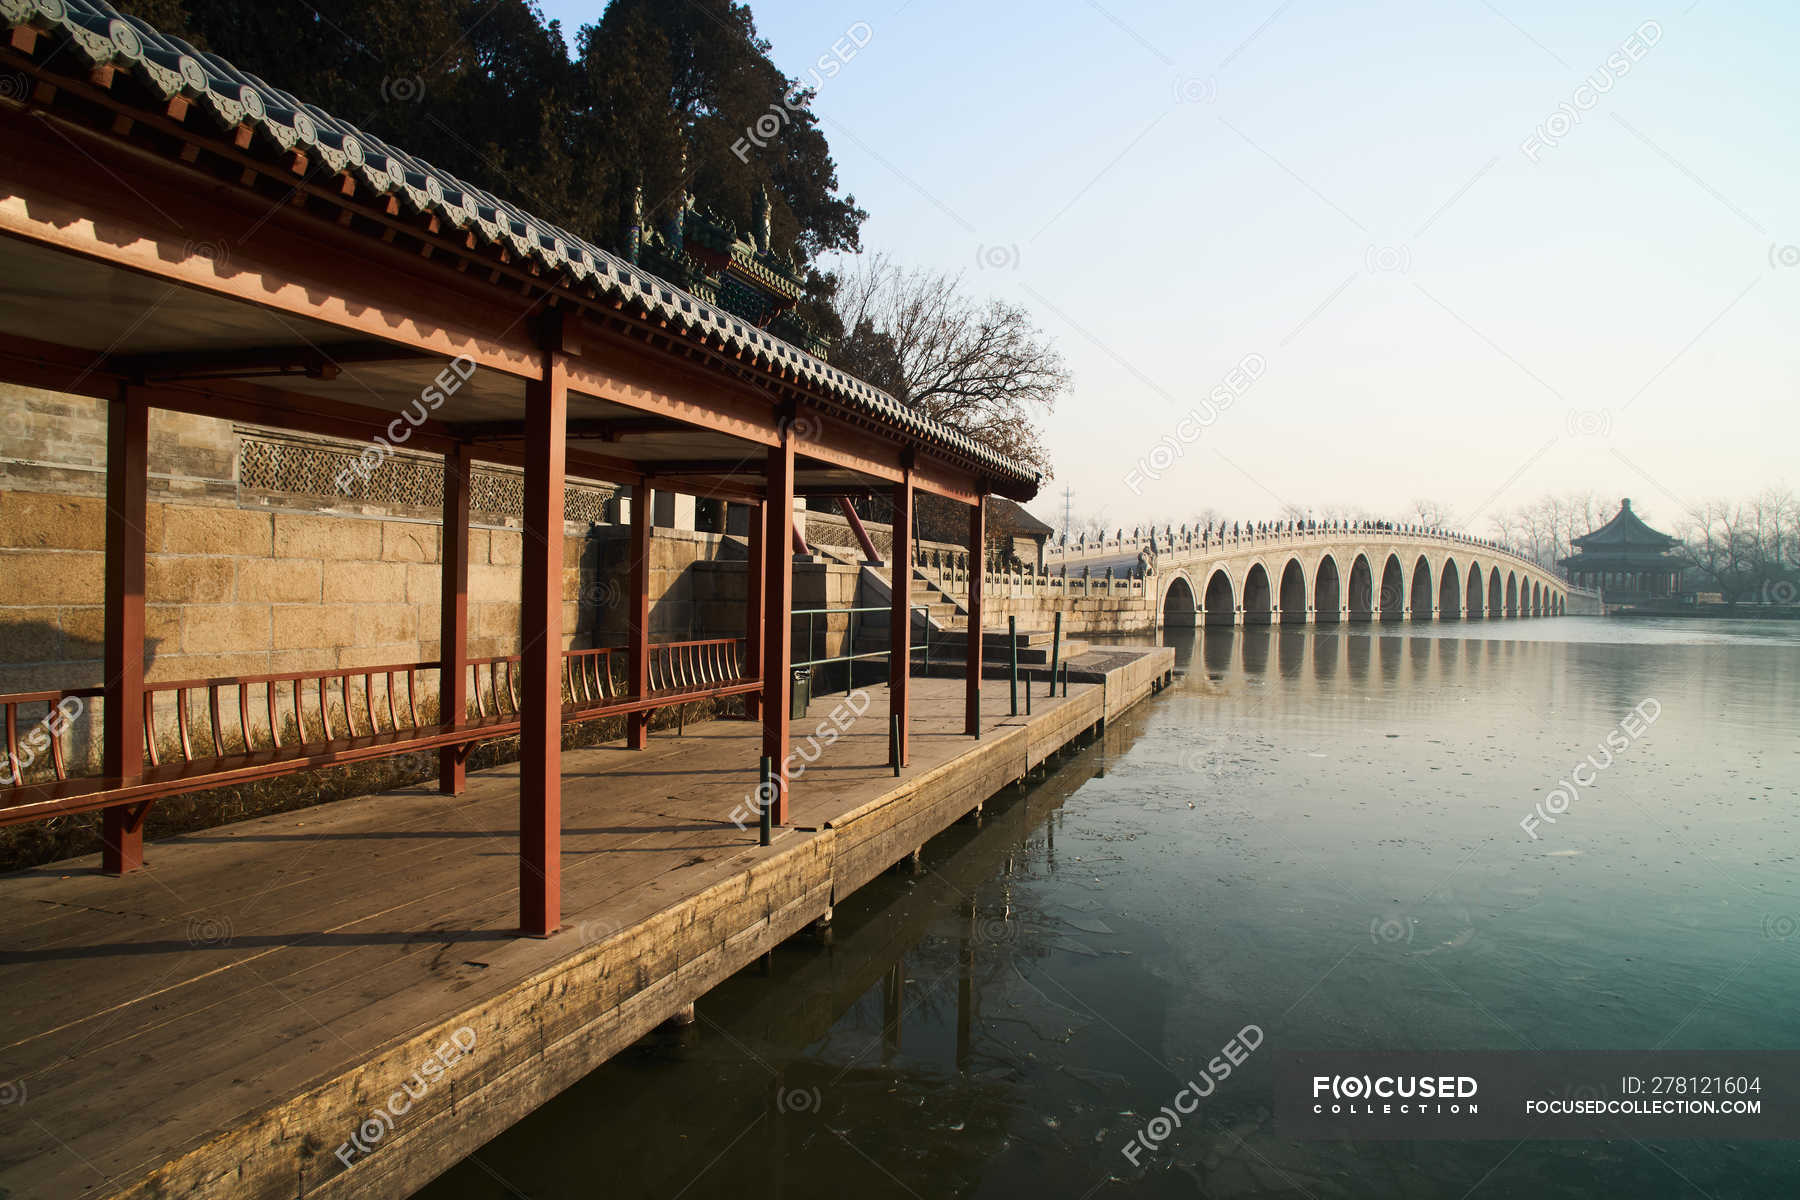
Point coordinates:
[(12, 744), (181, 716), (212, 712)]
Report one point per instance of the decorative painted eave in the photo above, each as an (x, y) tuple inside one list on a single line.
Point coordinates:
[(80, 37)]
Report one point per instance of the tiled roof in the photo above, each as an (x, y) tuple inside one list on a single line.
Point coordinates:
[(99, 35), (1625, 529)]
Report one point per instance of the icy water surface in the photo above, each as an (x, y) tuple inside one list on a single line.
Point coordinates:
[(1317, 833)]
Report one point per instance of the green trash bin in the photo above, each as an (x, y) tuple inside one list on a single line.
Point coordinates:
[(801, 693)]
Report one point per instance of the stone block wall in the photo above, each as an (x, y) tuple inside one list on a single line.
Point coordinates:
[(256, 562), (232, 591)]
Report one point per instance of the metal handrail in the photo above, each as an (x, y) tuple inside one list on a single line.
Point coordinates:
[(850, 637)]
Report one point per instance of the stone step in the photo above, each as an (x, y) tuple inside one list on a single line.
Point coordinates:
[(1034, 645), (951, 646)]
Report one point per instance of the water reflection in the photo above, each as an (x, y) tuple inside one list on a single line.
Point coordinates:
[(1326, 649)]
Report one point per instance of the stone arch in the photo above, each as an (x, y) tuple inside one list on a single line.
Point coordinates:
[(1512, 594), (1293, 593), (1221, 599), (1393, 589), (1259, 601), (1537, 598), (1495, 604), (1362, 590), (1450, 592), (1472, 606), (1559, 604), (1180, 607), (1328, 592), (1420, 597)]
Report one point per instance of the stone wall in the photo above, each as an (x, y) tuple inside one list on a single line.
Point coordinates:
[(232, 591), (259, 563)]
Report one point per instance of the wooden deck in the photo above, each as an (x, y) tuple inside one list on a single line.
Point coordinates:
[(226, 1021)]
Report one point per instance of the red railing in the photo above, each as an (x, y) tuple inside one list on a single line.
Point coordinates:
[(300, 711), (43, 732), (272, 711), (597, 677)]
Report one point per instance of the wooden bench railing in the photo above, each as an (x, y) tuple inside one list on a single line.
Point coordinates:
[(201, 733), (41, 734)]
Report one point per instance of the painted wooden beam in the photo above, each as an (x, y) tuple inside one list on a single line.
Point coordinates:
[(453, 607), (778, 620), (977, 568), (754, 580), (637, 618), (540, 726), (122, 720), (900, 614)]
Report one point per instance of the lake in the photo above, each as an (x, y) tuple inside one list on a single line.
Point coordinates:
[(1352, 839)]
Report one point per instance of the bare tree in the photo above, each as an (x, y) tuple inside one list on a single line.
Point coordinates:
[(1717, 539), (1345, 512), (1768, 528), (1434, 514), (983, 367), (1093, 524), (1547, 527)]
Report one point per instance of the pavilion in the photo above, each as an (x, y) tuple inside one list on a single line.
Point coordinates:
[(1626, 559), (178, 235)]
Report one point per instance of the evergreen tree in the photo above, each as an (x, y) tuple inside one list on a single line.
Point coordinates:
[(656, 98)]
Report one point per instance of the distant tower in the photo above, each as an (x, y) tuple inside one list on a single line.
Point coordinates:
[(759, 221), (675, 227), (1068, 512), (634, 228)]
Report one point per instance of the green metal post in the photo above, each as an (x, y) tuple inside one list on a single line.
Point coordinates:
[(764, 795), (1055, 649), (1012, 638)]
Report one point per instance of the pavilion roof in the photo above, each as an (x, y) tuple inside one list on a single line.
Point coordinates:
[(1626, 529), (1624, 543), (91, 36)]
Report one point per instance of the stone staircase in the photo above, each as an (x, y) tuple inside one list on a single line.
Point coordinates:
[(947, 618), (945, 611)]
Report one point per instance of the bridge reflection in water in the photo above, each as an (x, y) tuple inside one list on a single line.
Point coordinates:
[(1322, 657)]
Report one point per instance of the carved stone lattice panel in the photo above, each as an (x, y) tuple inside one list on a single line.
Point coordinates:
[(342, 472)]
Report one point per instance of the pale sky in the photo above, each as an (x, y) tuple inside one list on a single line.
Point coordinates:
[(1341, 195)]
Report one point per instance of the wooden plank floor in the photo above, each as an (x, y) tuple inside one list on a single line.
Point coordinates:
[(245, 964)]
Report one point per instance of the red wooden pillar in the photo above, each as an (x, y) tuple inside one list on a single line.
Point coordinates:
[(900, 615), (540, 717), (453, 624), (637, 619), (977, 568), (847, 506), (778, 619), (122, 721), (753, 607)]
